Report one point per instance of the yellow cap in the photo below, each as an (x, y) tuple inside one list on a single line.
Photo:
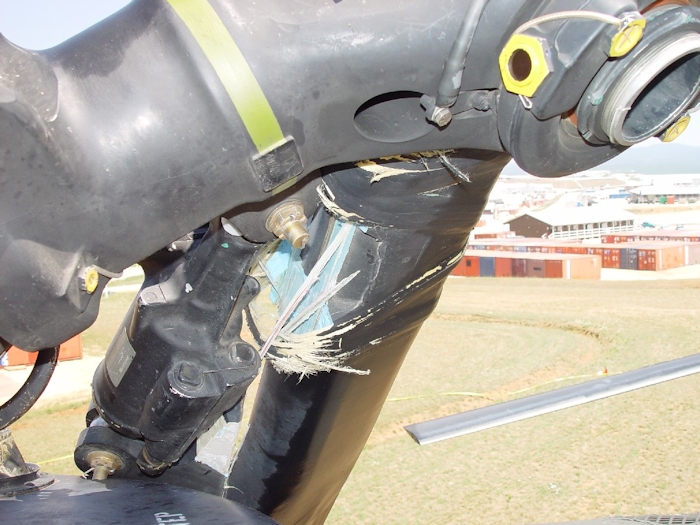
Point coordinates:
[(627, 37), (678, 127), (524, 64), (89, 280)]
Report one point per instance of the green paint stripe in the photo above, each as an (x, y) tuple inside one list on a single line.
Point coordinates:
[(233, 70)]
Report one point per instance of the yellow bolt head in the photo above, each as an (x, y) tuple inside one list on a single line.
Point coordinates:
[(629, 36), (90, 280), (678, 127), (524, 64)]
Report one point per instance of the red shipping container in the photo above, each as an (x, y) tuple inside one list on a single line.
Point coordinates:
[(460, 270), (553, 269), (646, 259), (504, 267), (611, 257), (71, 349), (471, 265)]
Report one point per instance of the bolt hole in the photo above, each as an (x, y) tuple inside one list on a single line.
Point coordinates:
[(244, 353), (520, 65)]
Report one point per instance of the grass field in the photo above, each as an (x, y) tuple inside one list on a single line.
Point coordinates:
[(495, 339)]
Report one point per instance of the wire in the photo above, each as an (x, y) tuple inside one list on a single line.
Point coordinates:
[(603, 372), (62, 458), (563, 15), (32, 388), (448, 88)]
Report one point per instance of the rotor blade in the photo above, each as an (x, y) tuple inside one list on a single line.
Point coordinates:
[(546, 402)]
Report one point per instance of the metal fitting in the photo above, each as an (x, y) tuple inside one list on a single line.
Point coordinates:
[(89, 279), (524, 64), (663, 77), (288, 221), (103, 464), (441, 116), (189, 375)]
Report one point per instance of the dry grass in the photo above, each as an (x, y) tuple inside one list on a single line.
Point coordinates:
[(626, 455)]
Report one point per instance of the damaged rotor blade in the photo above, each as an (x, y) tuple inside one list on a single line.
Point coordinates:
[(316, 304), (546, 402), (313, 276)]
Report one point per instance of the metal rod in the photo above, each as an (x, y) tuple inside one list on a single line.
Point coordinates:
[(546, 402)]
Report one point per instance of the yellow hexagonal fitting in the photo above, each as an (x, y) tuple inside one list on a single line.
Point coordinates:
[(678, 127), (629, 36), (524, 64)]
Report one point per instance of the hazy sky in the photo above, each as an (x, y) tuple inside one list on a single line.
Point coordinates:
[(39, 24)]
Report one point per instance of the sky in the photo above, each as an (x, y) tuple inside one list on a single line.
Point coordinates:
[(40, 24)]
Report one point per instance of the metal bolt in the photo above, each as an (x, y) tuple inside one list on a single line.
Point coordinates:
[(441, 116), (288, 221), (103, 464), (189, 375)]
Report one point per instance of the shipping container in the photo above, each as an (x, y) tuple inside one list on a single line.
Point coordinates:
[(628, 258), (503, 267), (653, 235), (471, 265), (611, 257), (646, 259), (460, 269), (71, 349), (511, 264), (519, 268), (535, 268), (553, 268), (487, 267), (692, 251), (661, 255), (582, 267)]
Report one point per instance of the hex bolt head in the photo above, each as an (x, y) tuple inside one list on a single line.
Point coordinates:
[(441, 116), (189, 375)]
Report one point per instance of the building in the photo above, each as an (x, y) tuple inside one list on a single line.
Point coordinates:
[(572, 223), (665, 194)]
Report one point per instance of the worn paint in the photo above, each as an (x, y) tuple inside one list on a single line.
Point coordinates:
[(436, 269), (327, 199)]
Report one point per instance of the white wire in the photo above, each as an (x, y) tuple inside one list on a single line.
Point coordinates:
[(313, 276), (563, 15)]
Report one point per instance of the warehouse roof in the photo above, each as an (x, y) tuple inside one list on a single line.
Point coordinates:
[(580, 215)]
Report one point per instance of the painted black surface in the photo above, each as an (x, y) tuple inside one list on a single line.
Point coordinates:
[(306, 435), (71, 500), (178, 362), (145, 132)]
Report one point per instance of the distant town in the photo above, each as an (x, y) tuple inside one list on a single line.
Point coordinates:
[(585, 225)]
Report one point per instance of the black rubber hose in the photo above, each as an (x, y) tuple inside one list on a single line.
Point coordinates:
[(451, 79), (32, 388)]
